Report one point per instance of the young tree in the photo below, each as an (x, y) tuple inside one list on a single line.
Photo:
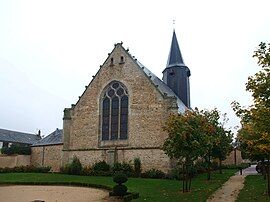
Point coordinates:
[(222, 138), (188, 136), (254, 135), (220, 145)]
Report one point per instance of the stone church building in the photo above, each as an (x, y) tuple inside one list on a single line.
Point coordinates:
[(120, 114)]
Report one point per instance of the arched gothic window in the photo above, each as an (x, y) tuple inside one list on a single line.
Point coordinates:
[(115, 112)]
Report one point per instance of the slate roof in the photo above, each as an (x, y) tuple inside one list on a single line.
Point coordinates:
[(162, 87), (18, 137), (54, 138), (175, 57)]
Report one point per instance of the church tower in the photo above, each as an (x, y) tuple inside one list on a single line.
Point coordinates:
[(176, 74)]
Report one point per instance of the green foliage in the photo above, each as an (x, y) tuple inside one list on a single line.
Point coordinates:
[(137, 167), (239, 166), (17, 149), (73, 168), (101, 166), (153, 173), (123, 167), (25, 169), (196, 134), (254, 135), (120, 178), (87, 170), (120, 190)]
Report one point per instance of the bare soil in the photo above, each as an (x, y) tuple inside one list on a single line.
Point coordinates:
[(29, 193)]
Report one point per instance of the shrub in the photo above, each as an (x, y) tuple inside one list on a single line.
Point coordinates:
[(26, 169), (233, 166), (137, 167), (123, 167), (120, 189), (154, 173), (117, 167), (175, 174), (75, 166), (120, 178), (87, 170), (65, 169), (101, 166), (17, 149)]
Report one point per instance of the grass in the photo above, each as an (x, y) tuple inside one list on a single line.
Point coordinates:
[(254, 189), (149, 189)]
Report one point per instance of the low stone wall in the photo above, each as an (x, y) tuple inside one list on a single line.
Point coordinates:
[(49, 155), (11, 161)]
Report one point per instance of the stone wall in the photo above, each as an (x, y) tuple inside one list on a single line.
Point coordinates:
[(148, 110), (11, 161), (233, 158), (150, 158), (50, 155)]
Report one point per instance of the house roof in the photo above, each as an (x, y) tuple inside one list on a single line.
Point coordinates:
[(54, 138), (175, 57), (18, 137), (162, 87)]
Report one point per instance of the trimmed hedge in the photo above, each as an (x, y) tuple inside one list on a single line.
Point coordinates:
[(25, 169), (153, 173), (79, 184), (239, 166)]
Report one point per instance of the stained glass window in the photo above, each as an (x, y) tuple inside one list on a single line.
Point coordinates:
[(115, 112)]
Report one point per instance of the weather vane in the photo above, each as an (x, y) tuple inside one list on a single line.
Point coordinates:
[(173, 23)]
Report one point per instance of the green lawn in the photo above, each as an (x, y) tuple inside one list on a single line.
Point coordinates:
[(254, 189), (149, 189)]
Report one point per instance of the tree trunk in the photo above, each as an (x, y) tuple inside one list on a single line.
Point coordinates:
[(220, 168), (189, 184), (264, 170), (208, 169), (268, 178)]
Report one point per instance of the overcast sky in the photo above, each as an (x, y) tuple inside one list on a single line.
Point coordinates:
[(50, 49)]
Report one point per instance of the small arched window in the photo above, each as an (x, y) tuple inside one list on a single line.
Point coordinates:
[(114, 112)]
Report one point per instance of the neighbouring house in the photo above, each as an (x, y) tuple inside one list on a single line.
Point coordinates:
[(8, 137), (48, 151)]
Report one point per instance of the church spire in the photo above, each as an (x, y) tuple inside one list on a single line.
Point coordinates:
[(176, 74), (175, 56)]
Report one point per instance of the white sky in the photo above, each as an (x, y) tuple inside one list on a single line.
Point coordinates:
[(50, 49)]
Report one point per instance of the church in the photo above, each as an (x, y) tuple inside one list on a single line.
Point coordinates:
[(120, 114)]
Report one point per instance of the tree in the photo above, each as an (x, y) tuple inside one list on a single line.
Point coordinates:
[(223, 138), (188, 138), (220, 145), (254, 134)]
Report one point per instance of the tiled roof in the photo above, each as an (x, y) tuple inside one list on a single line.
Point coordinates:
[(54, 138), (162, 87), (18, 137)]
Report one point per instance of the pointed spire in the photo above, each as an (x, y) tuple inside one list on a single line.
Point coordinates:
[(175, 57)]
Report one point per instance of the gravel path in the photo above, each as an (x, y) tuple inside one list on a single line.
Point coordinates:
[(230, 190), (51, 194)]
